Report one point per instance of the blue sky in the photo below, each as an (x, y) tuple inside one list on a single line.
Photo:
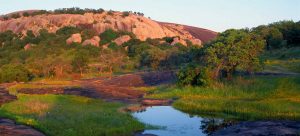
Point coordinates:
[(217, 15)]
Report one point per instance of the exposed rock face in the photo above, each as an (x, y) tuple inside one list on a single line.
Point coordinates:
[(94, 41), (123, 39), (204, 35), (142, 27), (75, 38)]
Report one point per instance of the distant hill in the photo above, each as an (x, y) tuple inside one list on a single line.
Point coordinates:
[(141, 26), (204, 35)]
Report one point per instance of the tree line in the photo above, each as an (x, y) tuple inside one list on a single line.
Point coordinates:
[(239, 50), (50, 57)]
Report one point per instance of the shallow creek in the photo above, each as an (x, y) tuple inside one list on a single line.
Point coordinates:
[(171, 122)]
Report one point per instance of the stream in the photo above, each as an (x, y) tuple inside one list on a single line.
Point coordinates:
[(171, 122)]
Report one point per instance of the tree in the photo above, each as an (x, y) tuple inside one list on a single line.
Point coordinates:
[(68, 30), (107, 36), (110, 59), (14, 72), (193, 75), (26, 14), (125, 14), (153, 57), (234, 49), (80, 62)]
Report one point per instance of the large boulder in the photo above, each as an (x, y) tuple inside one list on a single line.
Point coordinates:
[(123, 39), (178, 40), (94, 41), (196, 42), (75, 38)]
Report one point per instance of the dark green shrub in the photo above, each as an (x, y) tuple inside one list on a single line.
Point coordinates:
[(68, 30), (153, 57), (125, 14), (26, 14), (12, 72), (107, 36), (193, 75), (169, 39), (137, 49), (113, 46), (17, 15)]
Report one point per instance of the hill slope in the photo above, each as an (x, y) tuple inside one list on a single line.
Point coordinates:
[(142, 27)]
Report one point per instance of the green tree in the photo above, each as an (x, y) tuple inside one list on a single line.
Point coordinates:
[(193, 75), (107, 36), (80, 62), (234, 49), (153, 57), (13, 72)]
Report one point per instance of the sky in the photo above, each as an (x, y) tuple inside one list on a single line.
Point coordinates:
[(217, 15)]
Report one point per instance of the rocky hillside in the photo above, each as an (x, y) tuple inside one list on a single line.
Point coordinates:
[(141, 26), (204, 35)]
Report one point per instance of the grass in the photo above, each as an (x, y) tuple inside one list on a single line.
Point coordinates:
[(242, 99), (62, 115), (283, 60), (41, 84)]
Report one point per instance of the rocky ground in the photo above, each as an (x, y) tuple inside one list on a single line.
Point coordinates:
[(261, 128), (124, 89), (10, 128), (118, 88)]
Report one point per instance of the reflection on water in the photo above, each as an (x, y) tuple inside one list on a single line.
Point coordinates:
[(176, 123)]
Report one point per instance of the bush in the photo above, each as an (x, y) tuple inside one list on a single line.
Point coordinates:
[(153, 57), (26, 14), (193, 75), (68, 30), (11, 72), (125, 14), (137, 49), (107, 36)]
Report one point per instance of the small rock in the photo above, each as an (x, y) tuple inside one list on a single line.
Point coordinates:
[(94, 41), (123, 39), (75, 38)]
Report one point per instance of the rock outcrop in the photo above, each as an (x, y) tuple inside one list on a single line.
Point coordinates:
[(142, 27), (178, 40), (27, 47), (261, 128), (93, 41), (75, 38), (123, 39)]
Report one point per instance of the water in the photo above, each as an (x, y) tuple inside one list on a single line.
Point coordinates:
[(172, 122)]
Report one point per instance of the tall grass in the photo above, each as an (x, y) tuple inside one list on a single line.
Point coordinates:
[(243, 99)]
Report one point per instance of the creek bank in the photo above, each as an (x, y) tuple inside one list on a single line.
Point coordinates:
[(261, 128), (10, 128), (5, 97)]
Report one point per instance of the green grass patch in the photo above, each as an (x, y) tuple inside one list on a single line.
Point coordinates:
[(282, 60), (242, 99), (62, 115)]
